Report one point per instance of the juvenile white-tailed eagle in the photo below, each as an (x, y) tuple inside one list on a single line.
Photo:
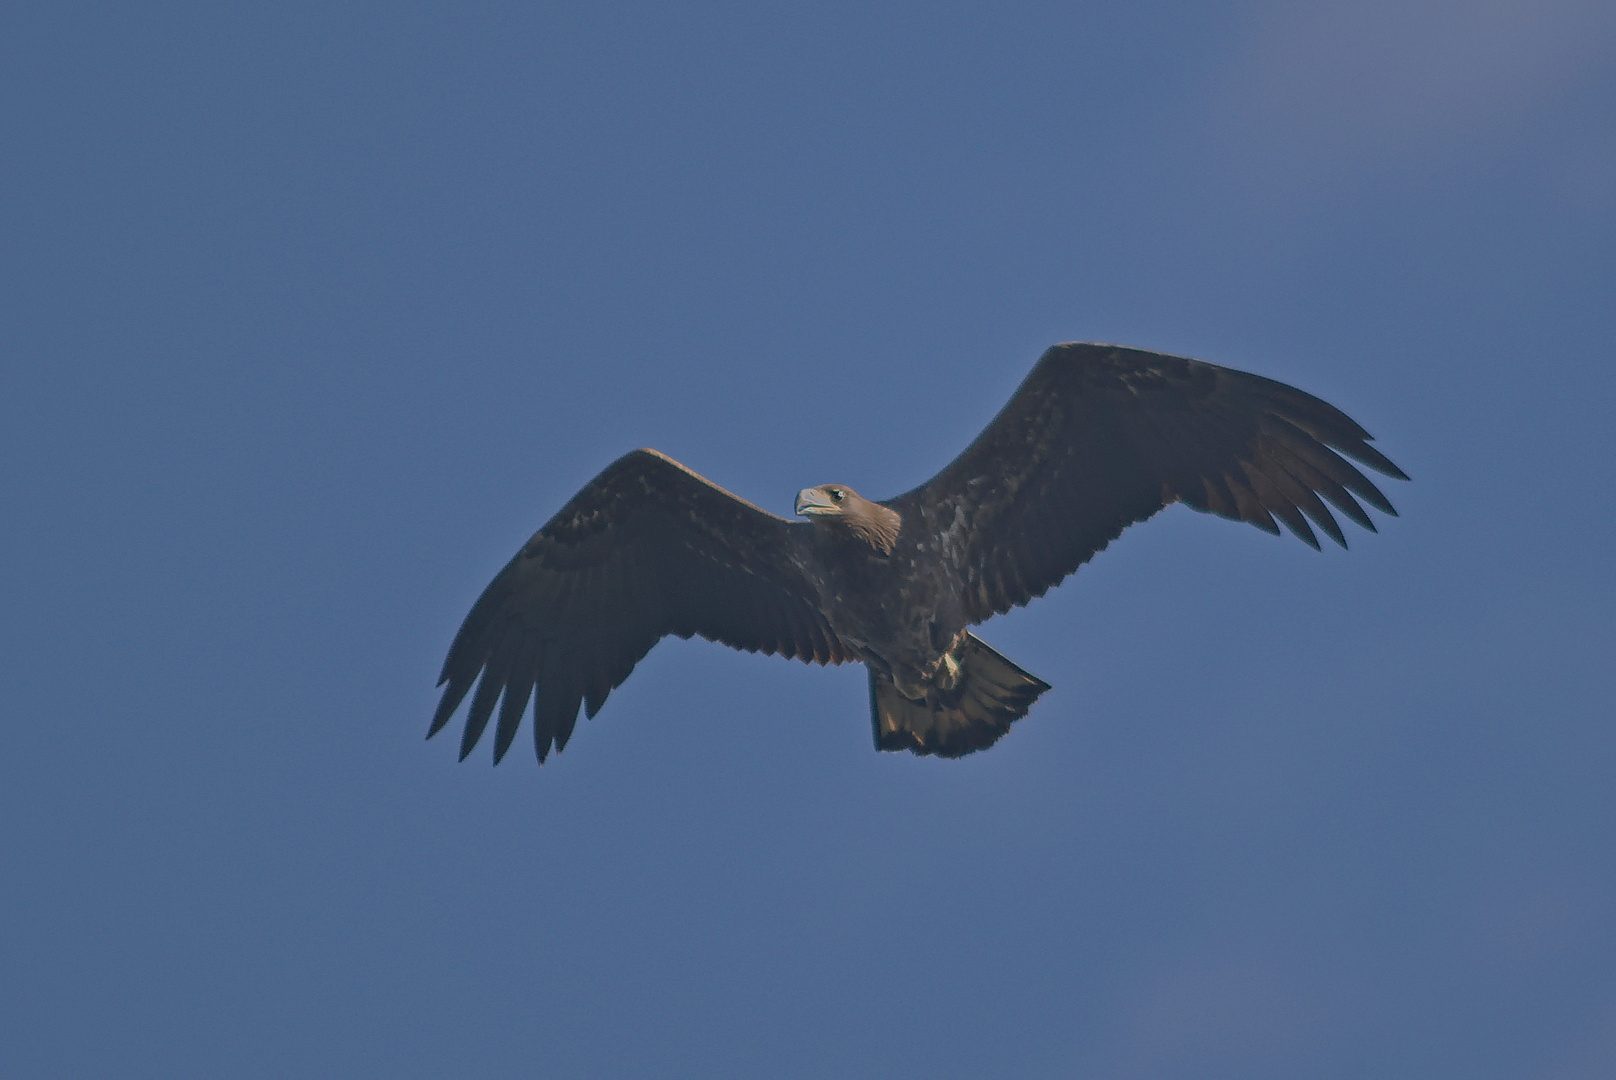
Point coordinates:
[(1097, 438)]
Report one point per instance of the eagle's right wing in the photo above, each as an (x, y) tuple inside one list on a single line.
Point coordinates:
[(647, 548)]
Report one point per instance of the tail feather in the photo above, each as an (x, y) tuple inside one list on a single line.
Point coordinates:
[(992, 693)]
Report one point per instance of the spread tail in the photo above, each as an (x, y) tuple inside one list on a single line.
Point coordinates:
[(991, 694)]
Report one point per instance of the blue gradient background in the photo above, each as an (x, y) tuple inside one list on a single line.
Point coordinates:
[(310, 314)]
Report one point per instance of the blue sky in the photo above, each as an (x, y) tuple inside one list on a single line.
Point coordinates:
[(311, 314)]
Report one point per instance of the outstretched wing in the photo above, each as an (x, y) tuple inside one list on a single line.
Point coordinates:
[(1099, 437), (647, 548)]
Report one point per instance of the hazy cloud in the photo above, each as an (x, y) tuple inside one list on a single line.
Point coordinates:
[(1323, 87)]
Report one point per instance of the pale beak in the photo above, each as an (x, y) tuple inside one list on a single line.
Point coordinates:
[(812, 501)]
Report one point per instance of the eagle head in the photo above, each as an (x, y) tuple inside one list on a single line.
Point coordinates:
[(840, 507)]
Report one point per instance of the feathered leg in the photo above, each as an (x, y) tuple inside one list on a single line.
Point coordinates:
[(970, 704)]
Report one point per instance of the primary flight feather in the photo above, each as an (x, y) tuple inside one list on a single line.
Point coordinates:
[(1096, 438)]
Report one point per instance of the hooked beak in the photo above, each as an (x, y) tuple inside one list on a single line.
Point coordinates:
[(812, 501)]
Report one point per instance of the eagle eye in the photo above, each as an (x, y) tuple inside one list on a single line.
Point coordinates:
[(837, 494)]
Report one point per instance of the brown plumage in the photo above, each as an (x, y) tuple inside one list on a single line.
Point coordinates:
[(1096, 438)]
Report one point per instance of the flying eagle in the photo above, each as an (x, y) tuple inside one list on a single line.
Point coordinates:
[(1097, 438)]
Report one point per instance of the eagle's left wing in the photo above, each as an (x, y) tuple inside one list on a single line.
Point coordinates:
[(1099, 437)]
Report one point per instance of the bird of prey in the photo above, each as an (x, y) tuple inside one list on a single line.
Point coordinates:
[(1097, 438)]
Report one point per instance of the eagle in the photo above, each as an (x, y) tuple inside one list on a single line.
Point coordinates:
[(1096, 438)]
